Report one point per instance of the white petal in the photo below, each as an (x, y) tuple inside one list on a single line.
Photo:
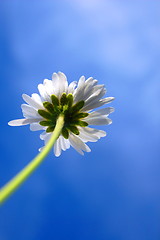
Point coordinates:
[(41, 149), (37, 99), (99, 121), (64, 143), (48, 84), (48, 136), (97, 104), (79, 92), (89, 88), (78, 144), (31, 101), (36, 127), (107, 100), (56, 84), (29, 112), (45, 136), (96, 95), (90, 134), (57, 148), (63, 82), (74, 145), (61, 143), (21, 122), (101, 112), (72, 86), (67, 143), (43, 93), (89, 80), (55, 77), (93, 92), (88, 137), (94, 131)]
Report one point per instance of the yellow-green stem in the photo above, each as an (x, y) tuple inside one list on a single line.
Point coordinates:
[(14, 183)]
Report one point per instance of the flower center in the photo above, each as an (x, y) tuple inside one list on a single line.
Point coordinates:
[(73, 116)]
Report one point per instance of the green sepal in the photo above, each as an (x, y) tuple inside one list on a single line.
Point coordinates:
[(80, 123), (50, 129), (65, 133), (49, 107), (69, 99), (55, 100), (46, 123), (77, 106), (72, 114), (81, 115), (63, 100), (44, 114), (73, 129)]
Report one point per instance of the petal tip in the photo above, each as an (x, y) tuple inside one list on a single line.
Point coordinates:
[(10, 123), (18, 122), (14, 123), (109, 121), (112, 109)]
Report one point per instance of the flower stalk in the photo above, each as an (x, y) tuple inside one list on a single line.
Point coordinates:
[(15, 183)]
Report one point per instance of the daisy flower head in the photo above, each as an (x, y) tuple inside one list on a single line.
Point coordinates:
[(76, 102)]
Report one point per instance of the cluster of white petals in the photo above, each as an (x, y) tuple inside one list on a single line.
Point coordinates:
[(85, 89)]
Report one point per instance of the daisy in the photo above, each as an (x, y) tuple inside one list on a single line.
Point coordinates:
[(76, 102), (64, 112)]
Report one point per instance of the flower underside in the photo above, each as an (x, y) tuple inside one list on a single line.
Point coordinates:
[(73, 116)]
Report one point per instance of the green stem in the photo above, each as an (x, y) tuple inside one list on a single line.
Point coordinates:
[(14, 183)]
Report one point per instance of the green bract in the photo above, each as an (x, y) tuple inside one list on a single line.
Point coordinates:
[(73, 116)]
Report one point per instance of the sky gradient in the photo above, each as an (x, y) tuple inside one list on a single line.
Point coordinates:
[(112, 193)]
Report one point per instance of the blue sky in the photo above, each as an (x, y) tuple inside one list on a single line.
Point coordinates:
[(113, 192)]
